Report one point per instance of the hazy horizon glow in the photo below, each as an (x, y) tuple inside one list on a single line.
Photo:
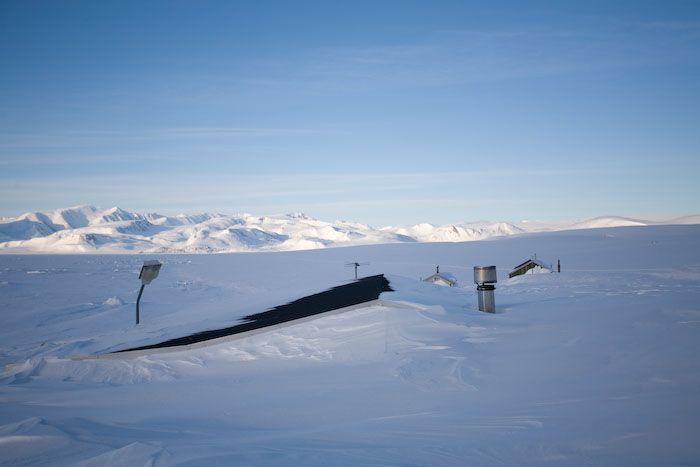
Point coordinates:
[(382, 113)]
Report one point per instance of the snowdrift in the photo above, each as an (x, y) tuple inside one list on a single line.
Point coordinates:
[(593, 366)]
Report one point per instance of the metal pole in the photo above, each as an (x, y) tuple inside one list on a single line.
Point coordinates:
[(356, 265), (137, 302)]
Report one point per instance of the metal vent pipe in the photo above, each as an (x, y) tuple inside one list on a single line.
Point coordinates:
[(485, 278)]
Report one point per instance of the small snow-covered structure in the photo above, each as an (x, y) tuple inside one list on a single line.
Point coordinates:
[(441, 278), (532, 265)]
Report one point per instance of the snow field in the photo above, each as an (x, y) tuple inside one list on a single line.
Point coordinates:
[(592, 366)]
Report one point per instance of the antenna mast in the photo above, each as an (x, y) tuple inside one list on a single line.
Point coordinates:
[(356, 265)]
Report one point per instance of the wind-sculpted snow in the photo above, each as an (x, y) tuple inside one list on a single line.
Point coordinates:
[(86, 229), (593, 366)]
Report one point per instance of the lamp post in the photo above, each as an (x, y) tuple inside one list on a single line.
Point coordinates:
[(149, 271)]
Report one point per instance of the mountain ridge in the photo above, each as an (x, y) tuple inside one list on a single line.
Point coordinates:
[(88, 229)]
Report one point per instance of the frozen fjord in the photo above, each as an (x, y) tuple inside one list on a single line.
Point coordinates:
[(594, 365)]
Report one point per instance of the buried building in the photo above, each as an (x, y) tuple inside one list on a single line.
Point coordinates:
[(441, 278), (532, 265)]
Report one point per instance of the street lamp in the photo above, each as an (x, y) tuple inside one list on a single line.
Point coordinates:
[(149, 271)]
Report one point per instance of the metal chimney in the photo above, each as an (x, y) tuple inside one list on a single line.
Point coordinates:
[(484, 278)]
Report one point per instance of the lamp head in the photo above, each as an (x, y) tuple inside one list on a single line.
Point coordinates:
[(149, 271)]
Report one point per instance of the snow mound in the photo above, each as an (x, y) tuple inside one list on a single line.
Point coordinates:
[(113, 301), (685, 220), (609, 221), (136, 453)]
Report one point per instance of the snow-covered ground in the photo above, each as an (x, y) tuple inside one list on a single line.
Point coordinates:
[(87, 229), (594, 366)]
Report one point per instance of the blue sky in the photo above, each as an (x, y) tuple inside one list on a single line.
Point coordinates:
[(381, 112)]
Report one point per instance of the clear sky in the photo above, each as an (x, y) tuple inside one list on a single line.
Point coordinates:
[(386, 112)]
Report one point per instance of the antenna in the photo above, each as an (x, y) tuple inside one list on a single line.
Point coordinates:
[(356, 265)]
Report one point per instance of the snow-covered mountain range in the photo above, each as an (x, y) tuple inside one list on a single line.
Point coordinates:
[(84, 229)]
